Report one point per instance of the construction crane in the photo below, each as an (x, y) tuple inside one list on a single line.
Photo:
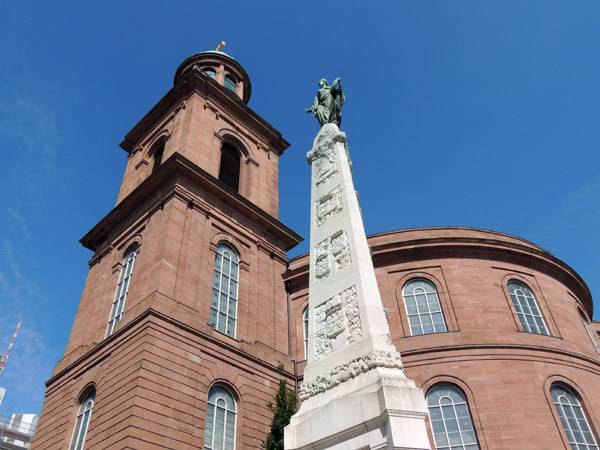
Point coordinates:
[(4, 358)]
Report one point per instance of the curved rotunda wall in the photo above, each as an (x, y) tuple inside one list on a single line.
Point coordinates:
[(504, 371)]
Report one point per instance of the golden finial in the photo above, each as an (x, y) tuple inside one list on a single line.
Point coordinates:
[(220, 45)]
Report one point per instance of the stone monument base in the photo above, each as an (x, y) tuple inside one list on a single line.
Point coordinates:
[(378, 409)]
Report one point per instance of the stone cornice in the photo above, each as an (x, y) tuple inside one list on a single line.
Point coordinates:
[(421, 244), (208, 88), (178, 165), (517, 351), (102, 350)]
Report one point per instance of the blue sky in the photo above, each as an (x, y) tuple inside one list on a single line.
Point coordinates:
[(469, 113)]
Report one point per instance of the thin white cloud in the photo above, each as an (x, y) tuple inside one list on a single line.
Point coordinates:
[(29, 366)]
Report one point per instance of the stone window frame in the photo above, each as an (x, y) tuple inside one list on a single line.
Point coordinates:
[(158, 147), (305, 329), (79, 426), (532, 285), (222, 247), (583, 402), (132, 246), (237, 400), (233, 82), (431, 314), (435, 276), (587, 323), (299, 304), (231, 138), (471, 402), (146, 162), (243, 278)]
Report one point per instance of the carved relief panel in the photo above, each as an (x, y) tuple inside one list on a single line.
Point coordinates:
[(337, 323), (333, 251), (328, 206)]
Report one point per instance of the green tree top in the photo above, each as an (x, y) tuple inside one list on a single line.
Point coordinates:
[(283, 409)]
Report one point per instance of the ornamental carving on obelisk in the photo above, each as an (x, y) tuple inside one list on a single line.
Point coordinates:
[(355, 394)]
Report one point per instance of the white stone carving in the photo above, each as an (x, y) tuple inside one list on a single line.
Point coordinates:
[(336, 248), (343, 372), (340, 249), (328, 206), (337, 323), (322, 265), (326, 167), (323, 157)]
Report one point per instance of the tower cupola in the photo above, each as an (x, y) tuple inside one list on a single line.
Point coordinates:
[(221, 67)]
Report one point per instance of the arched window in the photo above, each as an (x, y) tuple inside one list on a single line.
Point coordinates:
[(305, 331), (573, 419), (158, 155), (229, 170), (527, 308), (451, 419), (223, 305), (219, 433), (423, 307), (82, 422), (230, 83), (118, 305), (591, 334), (209, 71)]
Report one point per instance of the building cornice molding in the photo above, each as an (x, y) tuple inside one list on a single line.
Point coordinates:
[(517, 351), (422, 244), (101, 351), (177, 165)]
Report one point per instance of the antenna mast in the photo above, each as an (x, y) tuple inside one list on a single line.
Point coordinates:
[(4, 358)]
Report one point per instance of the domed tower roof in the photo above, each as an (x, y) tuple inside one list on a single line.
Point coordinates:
[(225, 70)]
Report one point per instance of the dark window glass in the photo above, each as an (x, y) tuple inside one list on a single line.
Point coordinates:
[(229, 172), (230, 83), (158, 154), (209, 72)]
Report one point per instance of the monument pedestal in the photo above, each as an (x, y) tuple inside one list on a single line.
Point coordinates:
[(379, 409), (355, 394)]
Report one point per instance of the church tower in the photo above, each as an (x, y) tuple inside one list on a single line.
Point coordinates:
[(169, 347)]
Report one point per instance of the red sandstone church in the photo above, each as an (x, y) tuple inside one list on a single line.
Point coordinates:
[(191, 303)]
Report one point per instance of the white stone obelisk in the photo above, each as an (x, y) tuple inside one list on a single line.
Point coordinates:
[(355, 394)]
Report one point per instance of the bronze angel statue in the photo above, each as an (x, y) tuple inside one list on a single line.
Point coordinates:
[(327, 107)]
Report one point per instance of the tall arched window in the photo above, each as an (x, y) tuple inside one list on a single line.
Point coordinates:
[(118, 305), (223, 305), (573, 418), (423, 307), (450, 418), (229, 170), (82, 422), (305, 331), (158, 155), (219, 433), (527, 308), (591, 334)]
